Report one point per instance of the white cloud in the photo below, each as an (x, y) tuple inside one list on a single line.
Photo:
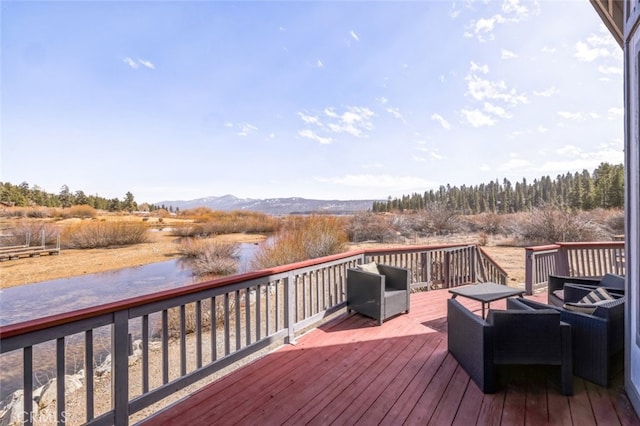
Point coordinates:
[(147, 64), (477, 118), (507, 54), (482, 29), (542, 129), (481, 89), (319, 64), (515, 8), (436, 156), (610, 70), (496, 110), (133, 64), (571, 115), (310, 119), (354, 35), (246, 129), (484, 69), (440, 119), (396, 113), (512, 11), (615, 113), (547, 92), (577, 159), (547, 49), (514, 163), (329, 112), (569, 150), (587, 53), (383, 100), (354, 121), (388, 182), (310, 134)]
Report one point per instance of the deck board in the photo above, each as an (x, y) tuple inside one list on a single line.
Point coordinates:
[(352, 371)]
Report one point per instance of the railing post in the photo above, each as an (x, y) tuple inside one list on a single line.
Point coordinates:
[(289, 303), (120, 367), (529, 257), (446, 259), (562, 261)]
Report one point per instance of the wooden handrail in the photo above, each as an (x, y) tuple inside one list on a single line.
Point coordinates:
[(256, 309)]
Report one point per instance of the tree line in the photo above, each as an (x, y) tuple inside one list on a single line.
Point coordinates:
[(604, 188), (23, 195)]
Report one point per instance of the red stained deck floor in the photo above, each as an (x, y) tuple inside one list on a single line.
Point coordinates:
[(353, 372)]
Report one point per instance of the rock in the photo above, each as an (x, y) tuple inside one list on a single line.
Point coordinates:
[(49, 395), (105, 367), (12, 412)]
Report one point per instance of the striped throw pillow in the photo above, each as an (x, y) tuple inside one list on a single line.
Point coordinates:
[(597, 295)]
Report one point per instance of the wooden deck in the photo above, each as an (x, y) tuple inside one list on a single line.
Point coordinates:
[(351, 371)]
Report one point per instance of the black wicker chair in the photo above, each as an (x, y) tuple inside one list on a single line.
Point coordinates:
[(555, 295), (511, 337), (597, 338), (378, 295)]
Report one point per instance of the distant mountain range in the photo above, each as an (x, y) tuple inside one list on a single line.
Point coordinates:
[(273, 206)]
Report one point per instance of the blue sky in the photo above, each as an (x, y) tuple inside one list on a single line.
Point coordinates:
[(326, 100)]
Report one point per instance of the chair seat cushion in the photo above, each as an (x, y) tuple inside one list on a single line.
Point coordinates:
[(584, 307), (559, 294)]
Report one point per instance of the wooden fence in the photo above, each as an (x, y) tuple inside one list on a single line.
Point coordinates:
[(227, 319), (590, 259)]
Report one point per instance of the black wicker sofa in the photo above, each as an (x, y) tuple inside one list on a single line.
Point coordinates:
[(511, 337), (597, 337), (556, 285)]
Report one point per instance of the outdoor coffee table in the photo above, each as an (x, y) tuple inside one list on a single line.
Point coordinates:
[(486, 293)]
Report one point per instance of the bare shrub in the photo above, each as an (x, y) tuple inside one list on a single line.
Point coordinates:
[(83, 211), (38, 213), (210, 222), (212, 257), (615, 222), (489, 223), (187, 230), (436, 219), (12, 212), (303, 238), (30, 232), (550, 224), (190, 247), (367, 226), (104, 234)]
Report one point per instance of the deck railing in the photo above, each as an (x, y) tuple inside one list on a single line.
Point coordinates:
[(590, 259), (212, 324)]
